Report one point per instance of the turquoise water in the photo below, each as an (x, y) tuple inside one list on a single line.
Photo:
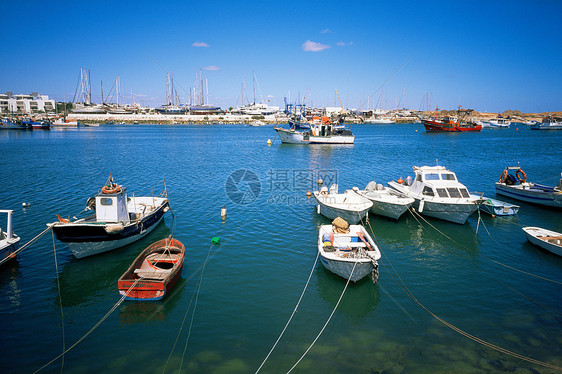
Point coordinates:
[(234, 299)]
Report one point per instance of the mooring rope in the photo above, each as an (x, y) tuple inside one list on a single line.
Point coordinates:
[(92, 329), (328, 321), (20, 249), (402, 285), (60, 301), (292, 314)]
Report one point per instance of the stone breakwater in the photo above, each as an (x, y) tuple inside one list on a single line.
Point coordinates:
[(174, 118)]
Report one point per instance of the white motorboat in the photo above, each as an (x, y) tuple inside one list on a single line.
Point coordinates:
[(438, 193), (495, 207), (548, 123), (386, 201), (513, 183), (350, 206), (379, 120), (118, 221), (546, 239), (9, 241), (496, 123), (350, 253)]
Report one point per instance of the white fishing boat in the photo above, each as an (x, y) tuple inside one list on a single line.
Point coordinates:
[(438, 193), (257, 123), (379, 120), (348, 205), (513, 183), (63, 123), (118, 221), (348, 251), (386, 201), (546, 239), (548, 123), (496, 123), (9, 241), (317, 131), (495, 207)]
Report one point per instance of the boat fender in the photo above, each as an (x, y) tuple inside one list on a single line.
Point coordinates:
[(114, 229), (503, 176), (318, 209), (422, 203), (523, 177), (400, 181)]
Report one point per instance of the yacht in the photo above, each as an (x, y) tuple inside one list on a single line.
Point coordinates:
[(438, 193)]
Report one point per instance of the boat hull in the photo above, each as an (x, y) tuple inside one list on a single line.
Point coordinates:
[(298, 137), (8, 249), (434, 126), (344, 268), (457, 213), (554, 245), (88, 239), (530, 194), (389, 210)]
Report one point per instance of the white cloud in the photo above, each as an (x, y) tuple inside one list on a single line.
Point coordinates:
[(310, 46), (211, 67), (200, 44), (341, 44), (326, 31)]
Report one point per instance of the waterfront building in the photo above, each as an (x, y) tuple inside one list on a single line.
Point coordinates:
[(32, 103)]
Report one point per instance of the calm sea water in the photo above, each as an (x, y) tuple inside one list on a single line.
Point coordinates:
[(235, 298)]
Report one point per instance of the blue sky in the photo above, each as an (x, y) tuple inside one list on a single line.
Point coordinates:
[(486, 55)]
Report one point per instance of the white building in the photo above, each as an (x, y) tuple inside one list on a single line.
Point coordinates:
[(32, 103)]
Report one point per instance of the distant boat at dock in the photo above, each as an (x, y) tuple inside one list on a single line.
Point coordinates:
[(548, 123)]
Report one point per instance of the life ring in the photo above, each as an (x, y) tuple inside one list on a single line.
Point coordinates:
[(523, 178), (106, 190), (503, 176)]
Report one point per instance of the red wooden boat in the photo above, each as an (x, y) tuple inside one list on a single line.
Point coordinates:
[(154, 272), (447, 124)]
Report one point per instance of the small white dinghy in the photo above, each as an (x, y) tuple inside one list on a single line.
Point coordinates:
[(546, 239), (348, 205), (386, 201), (348, 251)]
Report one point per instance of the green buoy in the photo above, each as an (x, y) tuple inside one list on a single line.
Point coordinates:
[(216, 240)]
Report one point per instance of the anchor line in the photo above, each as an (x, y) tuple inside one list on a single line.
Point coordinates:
[(328, 321), (60, 301), (485, 343), (20, 249), (292, 314)]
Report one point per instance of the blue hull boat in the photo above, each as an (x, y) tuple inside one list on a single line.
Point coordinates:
[(496, 207)]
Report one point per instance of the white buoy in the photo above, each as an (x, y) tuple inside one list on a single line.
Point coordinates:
[(268, 141), (25, 205), (319, 181), (223, 212)]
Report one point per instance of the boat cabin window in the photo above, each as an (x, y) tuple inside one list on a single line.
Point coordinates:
[(464, 192), (428, 191), (432, 177), (106, 201), (448, 177), (454, 192), (442, 192)]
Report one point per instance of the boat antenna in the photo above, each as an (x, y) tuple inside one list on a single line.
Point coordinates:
[(437, 162)]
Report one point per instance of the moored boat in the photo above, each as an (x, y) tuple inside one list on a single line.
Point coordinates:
[(451, 124), (386, 201), (349, 205), (495, 207), (548, 123), (438, 193), (348, 251), (513, 183), (13, 124), (497, 123), (9, 241), (546, 239), (37, 124), (62, 122), (154, 272), (117, 221), (318, 131)]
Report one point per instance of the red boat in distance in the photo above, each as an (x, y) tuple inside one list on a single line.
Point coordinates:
[(154, 272), (451, 124)]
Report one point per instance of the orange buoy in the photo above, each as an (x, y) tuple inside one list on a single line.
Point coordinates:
[(400, 180)]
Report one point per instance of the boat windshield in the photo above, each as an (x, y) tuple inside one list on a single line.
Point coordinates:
[(448, 177), (431, 177)]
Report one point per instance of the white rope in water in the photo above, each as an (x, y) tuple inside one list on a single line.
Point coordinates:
[(328, 321), (92, 329), (292, 315), (60, 302)]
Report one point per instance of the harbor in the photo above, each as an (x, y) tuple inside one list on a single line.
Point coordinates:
[(236, 294)]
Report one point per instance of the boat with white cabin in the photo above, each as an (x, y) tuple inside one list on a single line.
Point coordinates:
[(349, 205), (386, 201), (348, 251), (118, 221), (546, 239), (548, 123), (513, 183), (9, 241), (496, 123), (438, 193), (320, 130)]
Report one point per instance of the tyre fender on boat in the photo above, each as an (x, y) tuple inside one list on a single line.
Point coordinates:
[(523, 177)]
